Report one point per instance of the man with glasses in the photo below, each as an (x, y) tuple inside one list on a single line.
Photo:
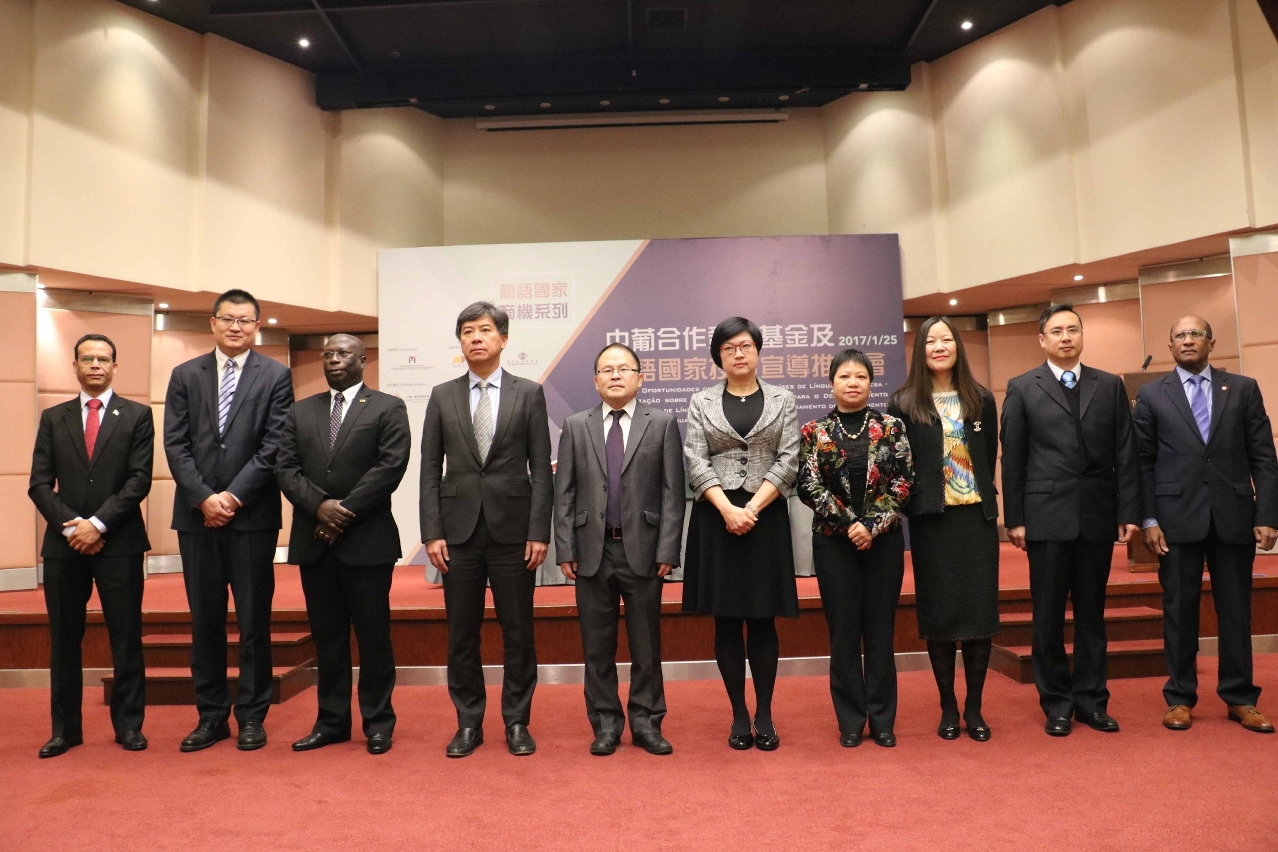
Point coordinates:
[(1071, 488), (619, 503), (485, 521), (96, 450), (224, 415), (1211, 493)]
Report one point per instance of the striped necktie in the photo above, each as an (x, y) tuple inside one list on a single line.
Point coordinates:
[(335, 421), (483, 422), (225, 395)]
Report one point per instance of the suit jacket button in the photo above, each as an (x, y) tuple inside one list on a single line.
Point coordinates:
[(743, 461), (601, 514), (223, 446), (482, 475)]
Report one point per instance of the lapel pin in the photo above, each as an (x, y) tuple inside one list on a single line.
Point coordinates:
[(115, 413), (976, 426), (1224, 387)]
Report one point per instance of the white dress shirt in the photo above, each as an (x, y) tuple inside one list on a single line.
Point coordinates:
[(348, 396), (1077, 370), (494, 394), (105, 397), (625, 420), (1184, 376), (222, 358)]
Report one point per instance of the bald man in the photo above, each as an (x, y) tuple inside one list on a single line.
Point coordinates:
[(1210, 486), (342, 456)]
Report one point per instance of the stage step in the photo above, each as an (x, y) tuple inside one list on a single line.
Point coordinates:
[(173, 684), (173, 650), (1127, 658), (1121, 623)]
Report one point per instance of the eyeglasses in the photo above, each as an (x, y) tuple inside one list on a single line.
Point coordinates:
[(730, 349), (235, 322), (1072, 331), (616, 371), (1189, 334)]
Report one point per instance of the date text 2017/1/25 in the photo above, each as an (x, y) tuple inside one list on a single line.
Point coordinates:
[(867, 340)]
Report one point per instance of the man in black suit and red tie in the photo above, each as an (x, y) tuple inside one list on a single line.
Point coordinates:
[(485, 521), (1071, 488), (1211, 492), (224, 415), (90, 472), (343, 455)]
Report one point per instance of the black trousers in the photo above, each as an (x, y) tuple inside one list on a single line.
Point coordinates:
[(340, 597), (859, 593), (245, 560), (478, 563), (598, 609), (68, 583), (1075, 571), (1181, 574)]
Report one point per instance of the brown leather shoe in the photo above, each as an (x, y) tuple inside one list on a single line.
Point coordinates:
[(1250, 718), (1177, 718)]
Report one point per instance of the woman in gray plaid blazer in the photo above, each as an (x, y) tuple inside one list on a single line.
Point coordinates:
[(743, 455)]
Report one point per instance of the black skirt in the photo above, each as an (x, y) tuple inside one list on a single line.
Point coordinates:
[(740, 576), (955, 556)]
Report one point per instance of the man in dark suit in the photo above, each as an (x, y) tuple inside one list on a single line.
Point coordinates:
[(487, 520), (1205, 441), (96, 450), (223, 417), (619, 503), (343, 455), (1071, 488)]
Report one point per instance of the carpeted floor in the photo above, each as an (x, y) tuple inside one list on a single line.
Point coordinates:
[(1214, 787)]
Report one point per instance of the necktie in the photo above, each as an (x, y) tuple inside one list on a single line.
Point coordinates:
[(1198, 404), (615, 450), (91, 424), (335, 422), (225, 395), (1068, 379), (483, 422)]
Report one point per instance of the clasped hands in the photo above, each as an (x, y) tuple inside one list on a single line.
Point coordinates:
[(219, 509), (86, 539), (333, 519)]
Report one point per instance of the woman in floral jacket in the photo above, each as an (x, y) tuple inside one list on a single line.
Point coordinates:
[(855, 473)]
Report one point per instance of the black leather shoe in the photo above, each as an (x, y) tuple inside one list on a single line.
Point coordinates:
[(850, 739), (206, 733), (59, 744), (979, 731), (947, 731), (318, 739), (464, 742), (379, 743), (252, 736), (1098, 721), (131, 741), (605, 744), (767, 742), (741, 742), (887, 739), (519, 741), (652, 742), (1058, 726)]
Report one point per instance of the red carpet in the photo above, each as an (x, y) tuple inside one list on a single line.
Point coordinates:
[(1212, 788)]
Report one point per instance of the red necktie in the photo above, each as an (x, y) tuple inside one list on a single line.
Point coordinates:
[(91, 424)]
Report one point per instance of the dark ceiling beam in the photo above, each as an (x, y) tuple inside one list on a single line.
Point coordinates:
[(310, 6), (918, 27), (337, 34), (835, 72), (1270, 8)]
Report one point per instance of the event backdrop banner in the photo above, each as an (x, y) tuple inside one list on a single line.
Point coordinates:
[(810, 296)]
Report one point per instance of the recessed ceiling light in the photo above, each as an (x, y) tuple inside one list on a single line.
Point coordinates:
[(966, 25), (163, 305), (545, 104), (489, 106), (303, 42), (1078, 278), (953, 302), (664, 101), (272, 321), (723, 99), (862, 86), (412, 100), (605, 103), (783, 97)]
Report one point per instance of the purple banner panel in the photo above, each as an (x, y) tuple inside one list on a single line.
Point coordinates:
[(811, 296)]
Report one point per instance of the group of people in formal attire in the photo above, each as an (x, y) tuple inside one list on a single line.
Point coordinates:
[(1194, 467)]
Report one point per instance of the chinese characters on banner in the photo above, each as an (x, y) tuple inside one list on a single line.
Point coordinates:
[(535, 297)]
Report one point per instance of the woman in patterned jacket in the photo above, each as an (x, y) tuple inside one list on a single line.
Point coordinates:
[(855, 473)]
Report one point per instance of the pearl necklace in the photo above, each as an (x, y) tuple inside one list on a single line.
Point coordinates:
[(865, 422)]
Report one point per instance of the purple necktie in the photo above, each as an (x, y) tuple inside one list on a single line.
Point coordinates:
[(335, 419), (615, 450), (1198, 405)]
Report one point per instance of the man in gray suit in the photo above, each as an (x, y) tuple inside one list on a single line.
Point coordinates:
[(619, 501), (486, 521)]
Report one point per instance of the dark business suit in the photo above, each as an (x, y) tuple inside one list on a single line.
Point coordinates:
[(1201, 493), (242, 553), (487, 511), (111, 488), (348, 583), (1070, 477), (614, 567)]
